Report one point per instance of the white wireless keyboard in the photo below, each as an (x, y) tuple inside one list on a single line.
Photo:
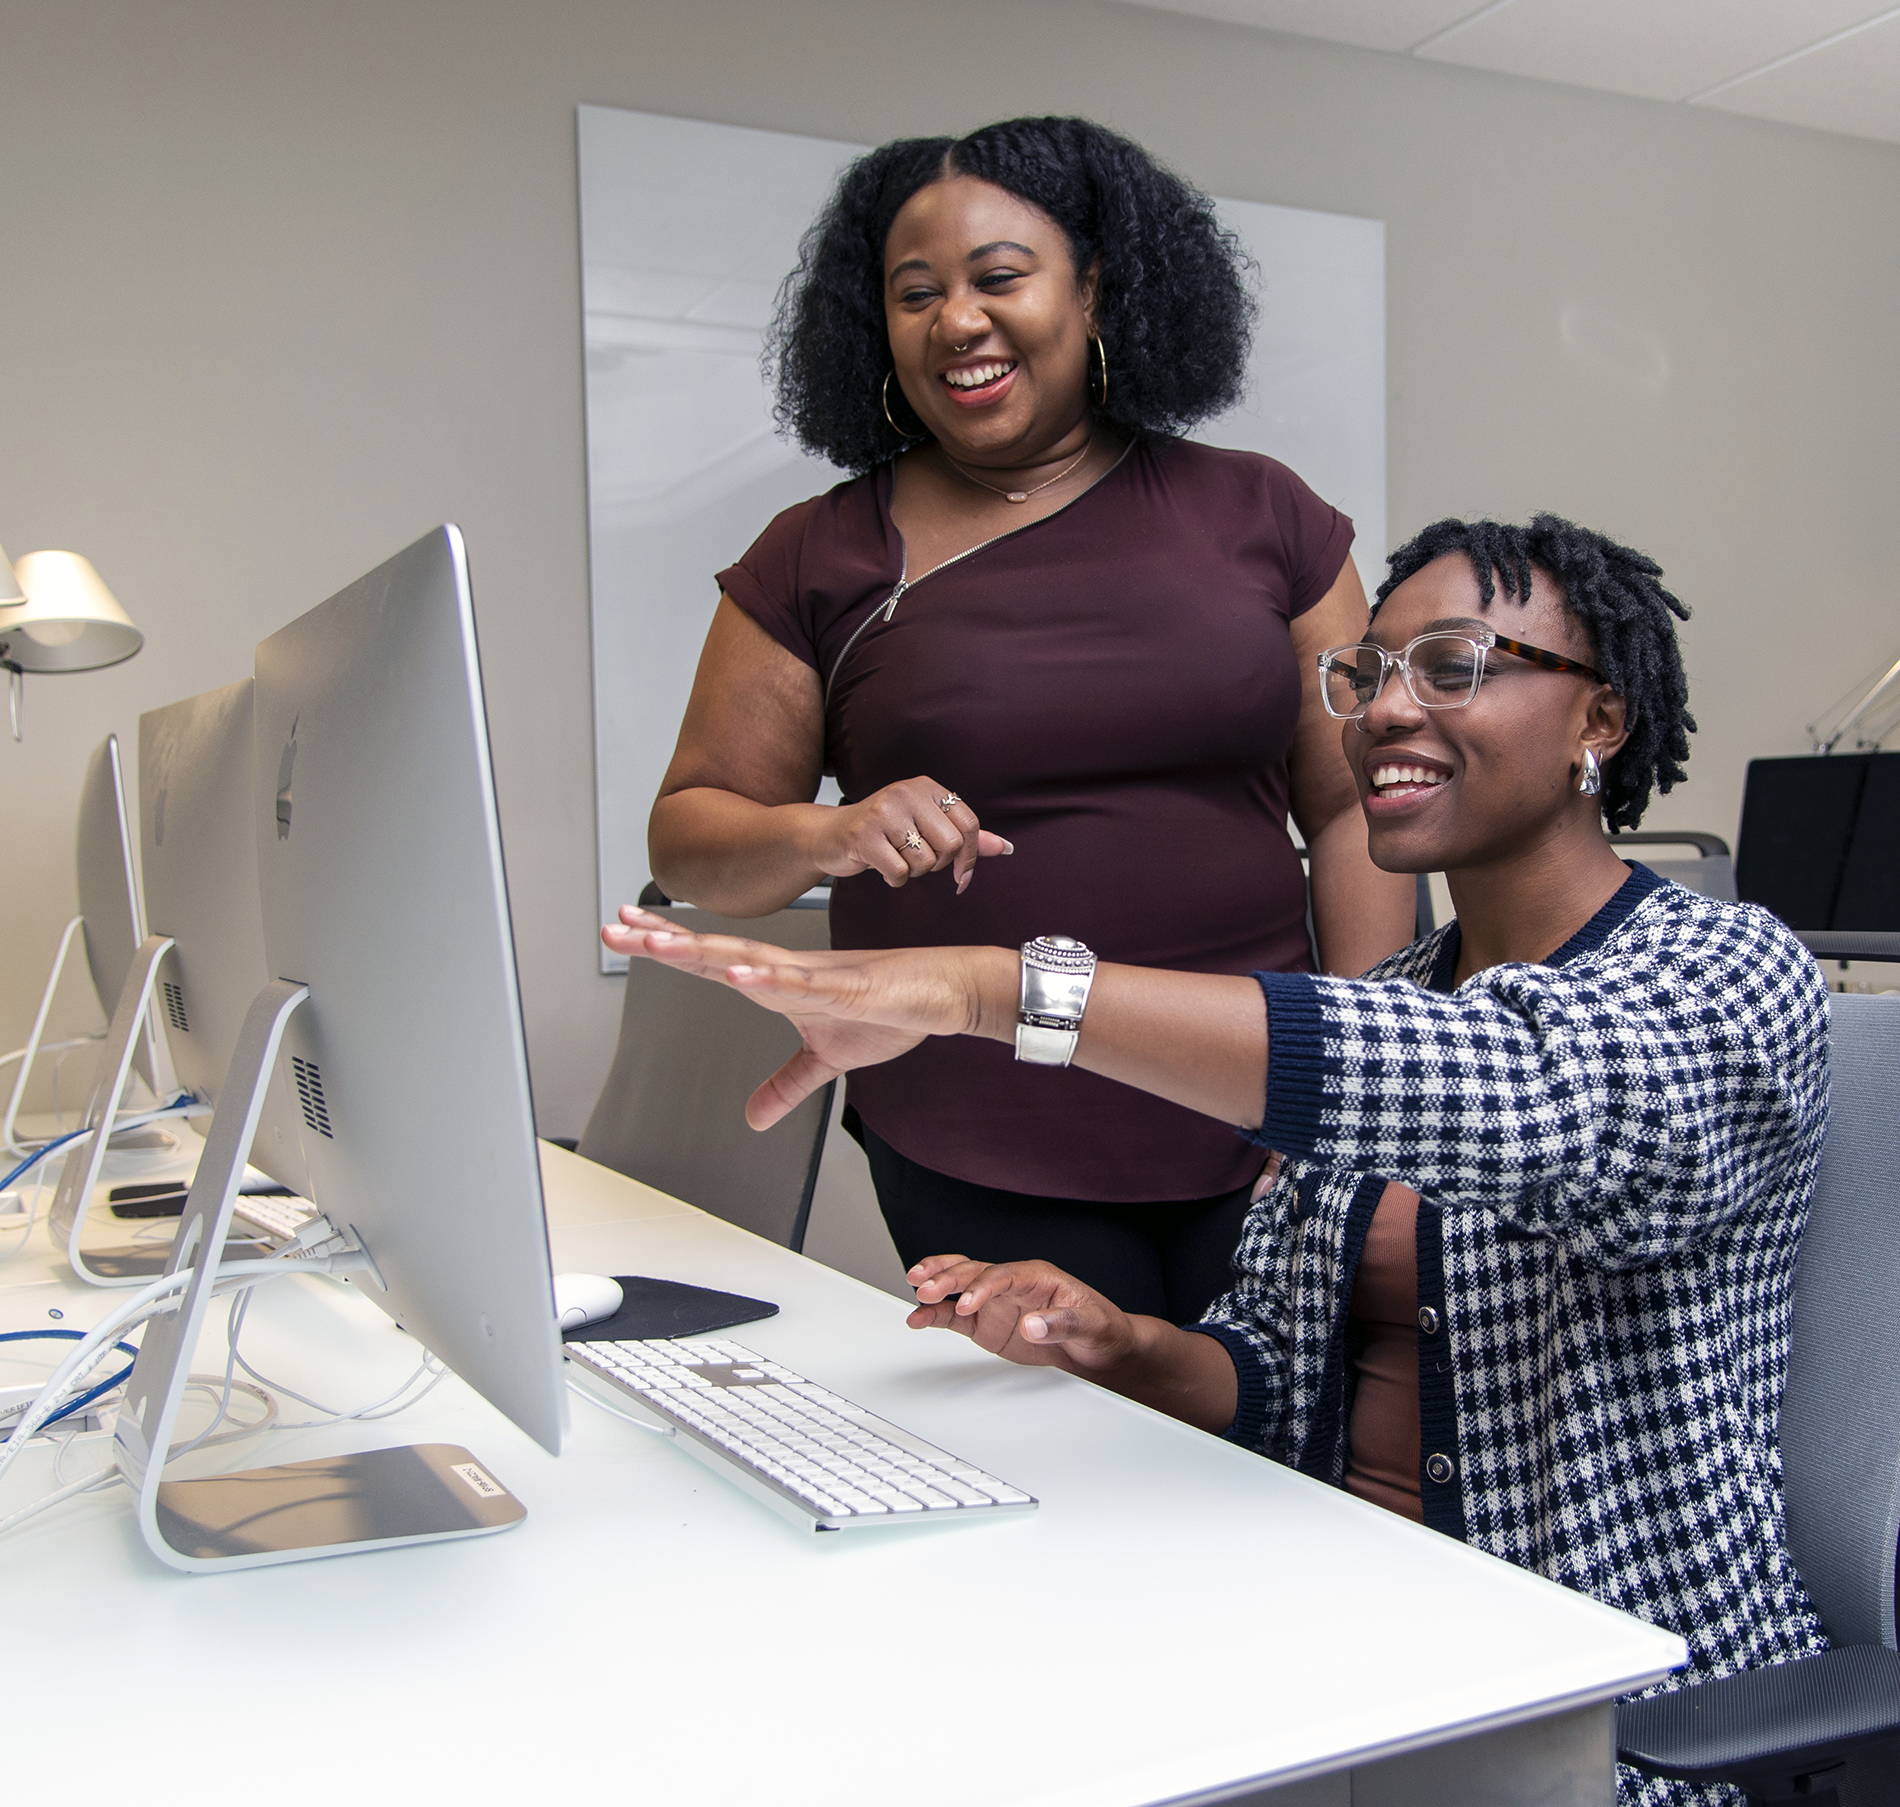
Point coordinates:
[(806, 1452), (279, 1215)]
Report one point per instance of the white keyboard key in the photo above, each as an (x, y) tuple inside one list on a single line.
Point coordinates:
[(965, 1496)]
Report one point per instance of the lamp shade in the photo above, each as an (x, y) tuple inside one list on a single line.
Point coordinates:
[(69, 622), (10, 591)]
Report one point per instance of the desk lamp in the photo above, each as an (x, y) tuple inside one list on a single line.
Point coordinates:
[(67, 621)]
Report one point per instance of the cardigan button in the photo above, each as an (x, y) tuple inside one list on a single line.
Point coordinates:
[(1427, 1320), (1439, 1468)]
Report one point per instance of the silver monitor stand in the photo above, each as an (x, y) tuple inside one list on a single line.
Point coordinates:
[(67, 1218), (332, 1506)]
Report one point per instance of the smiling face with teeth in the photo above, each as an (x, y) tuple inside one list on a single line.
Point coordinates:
[(989, 325), (1492, 784)]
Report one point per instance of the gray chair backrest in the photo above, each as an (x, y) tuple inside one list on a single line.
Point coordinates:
[(1840, 1415), (1712, 872), (672, 1112)]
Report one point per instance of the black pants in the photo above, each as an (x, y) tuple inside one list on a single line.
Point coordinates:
[(1169, 1260)]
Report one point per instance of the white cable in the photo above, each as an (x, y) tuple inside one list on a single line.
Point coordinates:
[(214, 1385), (428, 1366), (613, 1411), (100, 1477), (370, 1414), (148, 1302), (84, 1353), (105, 1477), (32, 1214), (65, 1445)]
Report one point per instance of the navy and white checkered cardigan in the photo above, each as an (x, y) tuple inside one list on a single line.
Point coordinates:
[(1616, 1149)]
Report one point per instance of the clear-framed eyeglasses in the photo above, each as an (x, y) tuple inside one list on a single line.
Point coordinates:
[(1441, 671)]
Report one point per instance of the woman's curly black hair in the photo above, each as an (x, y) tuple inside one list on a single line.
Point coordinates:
[(1615, 593), (1173, 305)]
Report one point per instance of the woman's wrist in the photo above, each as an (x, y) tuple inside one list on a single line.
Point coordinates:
[(993, 979), (1179, 1372)]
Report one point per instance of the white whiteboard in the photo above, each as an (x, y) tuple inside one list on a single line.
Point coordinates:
[(687, 229)]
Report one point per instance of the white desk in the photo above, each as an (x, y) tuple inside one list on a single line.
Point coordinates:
[(1181, 1621)]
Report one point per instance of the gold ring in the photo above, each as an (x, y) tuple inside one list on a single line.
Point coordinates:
[(944, 802), (913, 840)]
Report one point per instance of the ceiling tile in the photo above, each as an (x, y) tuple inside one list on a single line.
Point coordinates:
[(1659, 49), (1371, 24), (1852, 87)]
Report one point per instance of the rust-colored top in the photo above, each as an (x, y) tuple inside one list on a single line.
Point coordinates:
[(1383, 1441)]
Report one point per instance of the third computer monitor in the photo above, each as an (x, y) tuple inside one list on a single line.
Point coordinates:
[(109, 896)]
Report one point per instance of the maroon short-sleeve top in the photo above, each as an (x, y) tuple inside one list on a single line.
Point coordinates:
[(1114, 689)]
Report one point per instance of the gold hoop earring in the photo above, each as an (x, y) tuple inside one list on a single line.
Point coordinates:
[(1102, 353), (886, 393)]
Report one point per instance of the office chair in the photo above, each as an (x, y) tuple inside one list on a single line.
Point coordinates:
[(1825, 1729), (1711, 872), (672, 1112)]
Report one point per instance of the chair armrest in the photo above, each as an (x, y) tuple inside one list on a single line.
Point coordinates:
[(1765, 1728)]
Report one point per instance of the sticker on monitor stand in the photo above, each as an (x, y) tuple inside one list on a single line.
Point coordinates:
[(483, 1486)]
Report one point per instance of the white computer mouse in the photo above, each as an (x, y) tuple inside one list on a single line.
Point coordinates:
[(584, 1299)]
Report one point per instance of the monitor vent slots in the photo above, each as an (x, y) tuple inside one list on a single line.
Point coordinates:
[(175, 1008), (310, 1095)]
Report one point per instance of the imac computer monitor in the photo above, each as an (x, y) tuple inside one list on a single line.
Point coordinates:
[(380, 874), (109, 897), (200, 863)]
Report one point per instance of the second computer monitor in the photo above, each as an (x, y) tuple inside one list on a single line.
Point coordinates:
[(380, 872), (200, 858)]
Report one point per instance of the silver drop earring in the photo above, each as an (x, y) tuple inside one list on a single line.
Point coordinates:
[(1591, 783)]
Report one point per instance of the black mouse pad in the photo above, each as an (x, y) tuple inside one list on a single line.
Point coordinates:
[(655, 1308)]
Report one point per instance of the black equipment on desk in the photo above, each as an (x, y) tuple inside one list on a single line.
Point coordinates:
[(1820, 841)]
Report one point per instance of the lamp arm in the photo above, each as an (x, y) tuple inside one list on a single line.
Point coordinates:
[(1873, 695)]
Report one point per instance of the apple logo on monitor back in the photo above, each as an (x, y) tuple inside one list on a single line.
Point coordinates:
[(283, 781)]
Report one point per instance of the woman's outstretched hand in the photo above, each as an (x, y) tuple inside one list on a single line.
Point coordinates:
[(904, 831), (851, 1009), (1025, 1311)]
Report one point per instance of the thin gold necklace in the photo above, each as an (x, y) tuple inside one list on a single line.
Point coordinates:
[(1021, 495)]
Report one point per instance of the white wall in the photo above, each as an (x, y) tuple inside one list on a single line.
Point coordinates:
[(282, 285)]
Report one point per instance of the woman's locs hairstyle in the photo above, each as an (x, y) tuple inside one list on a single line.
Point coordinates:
[(1173, 302), (1617, 594)]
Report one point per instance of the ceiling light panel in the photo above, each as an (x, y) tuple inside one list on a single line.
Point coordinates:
[(1658, 49)]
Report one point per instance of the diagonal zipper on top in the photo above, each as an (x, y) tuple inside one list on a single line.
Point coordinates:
[(888, 607)]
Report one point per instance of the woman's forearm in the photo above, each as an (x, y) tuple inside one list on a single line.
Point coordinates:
[(727, 853), (1196, 1039), (1360, 914)]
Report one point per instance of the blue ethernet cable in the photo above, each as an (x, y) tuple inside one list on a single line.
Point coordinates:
[(40, 1154), (175, 1108), (73, 1336)]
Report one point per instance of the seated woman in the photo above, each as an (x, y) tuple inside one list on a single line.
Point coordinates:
[(1525, 1269)]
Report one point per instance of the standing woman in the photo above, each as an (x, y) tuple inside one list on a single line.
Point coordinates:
[(1040, 624)]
